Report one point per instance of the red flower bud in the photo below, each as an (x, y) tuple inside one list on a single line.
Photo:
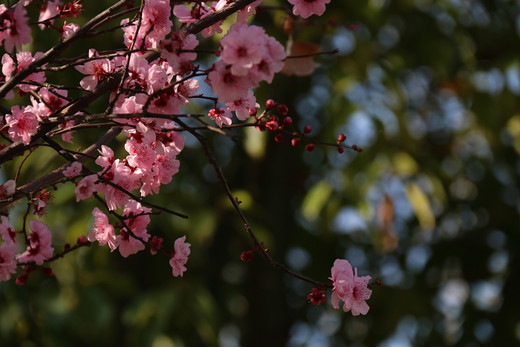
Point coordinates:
[(269, 104), (282, 109), (246, 256)]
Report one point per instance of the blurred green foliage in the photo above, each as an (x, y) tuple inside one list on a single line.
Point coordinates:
[(430, 91)]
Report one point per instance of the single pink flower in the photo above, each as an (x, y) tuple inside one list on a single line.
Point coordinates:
[(180, 62), (7, 250), (51, 102), (226, 85), (156, 78), (350, 288), (155, 22), (180, 257), (122, 176), (86, 187), (220, 116), (73, 170), (7, 189), (242, 47), (106, 158), (103, 231), (247, 11), (7, 232), (306, 8), (96, 69), (132, 104), (48, 10), (156, 244), (271, 63), (67, 136), (129, 241), (39, 248), (23, 59), (68, 29), (15, 27), (242, 105), (23, 123)]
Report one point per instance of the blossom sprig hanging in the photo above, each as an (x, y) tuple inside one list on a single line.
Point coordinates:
[(156, 74)]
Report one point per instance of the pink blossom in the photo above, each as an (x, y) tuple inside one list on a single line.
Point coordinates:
[(185, 89), (129, 241), (350, 288), (306, 8), (141, 147), (103, 231), (73, 170), (155, 23), (7, 189), (166, 103), (242, 105), (242, 47), (156, 244), (220, 116), (227, 86), (247, 11), (23, 59), (174, 141), (15, 27), (68, 29), (138, 68), (167, 166), (3, 9), (97, 69), (106, 158), (7, 262), (180, 257), (39, 248), (132, 104), (67, 135), (51, 101), (7, 231), (49, 10), (271, 63), (181, 63), (41, 201), (86, 187), (123, 177), (156, 79), (7, 250), (22, 123)]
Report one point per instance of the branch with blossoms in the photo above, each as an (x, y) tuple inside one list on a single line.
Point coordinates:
[(148, 83)]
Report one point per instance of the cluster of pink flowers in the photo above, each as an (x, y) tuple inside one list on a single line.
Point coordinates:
[(350, 288), (38, 251), (248, 56), (7, 250)]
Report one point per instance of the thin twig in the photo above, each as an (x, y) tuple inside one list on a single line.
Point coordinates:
[(213, 161)]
